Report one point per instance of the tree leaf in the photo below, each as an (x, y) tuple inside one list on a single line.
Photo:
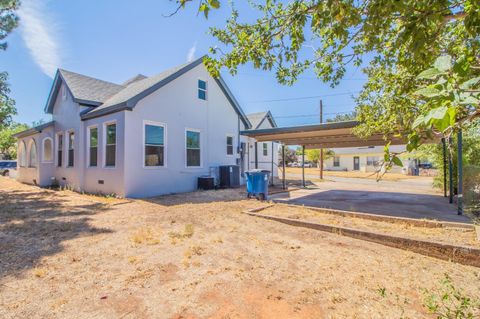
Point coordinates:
[(470, 83), (428, 92), (470, 100), (214, 3), (443, 63), (397, 161), (418, 121), (438, 113), (430, 74)]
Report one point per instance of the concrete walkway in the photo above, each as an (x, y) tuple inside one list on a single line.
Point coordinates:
[(413, 198)]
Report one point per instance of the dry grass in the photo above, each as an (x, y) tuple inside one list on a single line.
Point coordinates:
[(146, 235), (97, 262), (455, 236)]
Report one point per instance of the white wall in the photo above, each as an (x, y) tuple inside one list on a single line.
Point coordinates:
[(42, 173), (66, 116), (112, 177), (176, 105)]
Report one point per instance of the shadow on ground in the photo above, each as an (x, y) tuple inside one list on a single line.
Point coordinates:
[(376, 202), (35, 224)]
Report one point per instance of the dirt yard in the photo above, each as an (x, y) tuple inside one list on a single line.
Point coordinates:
[(65, 255)]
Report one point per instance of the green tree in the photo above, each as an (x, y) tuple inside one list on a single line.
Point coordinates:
[(394, 41), (7, 142), (351, 116), (290, 156), (8, 21)]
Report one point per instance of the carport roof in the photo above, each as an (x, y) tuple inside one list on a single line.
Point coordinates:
[(326, 135)]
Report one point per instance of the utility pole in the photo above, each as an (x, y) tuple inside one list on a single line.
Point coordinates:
[(321, 150)]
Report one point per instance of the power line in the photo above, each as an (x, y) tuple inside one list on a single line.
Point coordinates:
[(304, 97), (309, 115)]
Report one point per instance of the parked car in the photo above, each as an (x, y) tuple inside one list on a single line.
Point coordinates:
[(425, 165), (6, 167), (308, 165)]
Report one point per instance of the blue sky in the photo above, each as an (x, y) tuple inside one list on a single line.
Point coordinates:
[(115, 40)]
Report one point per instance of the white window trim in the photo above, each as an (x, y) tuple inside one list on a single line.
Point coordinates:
[(43, 150), (88, 144), (22, 150), (104, 144), (29, 150), (56, 148), (185, 146), (199, 89), (263, 149), (164, 125), (226, 145), (67, 144)]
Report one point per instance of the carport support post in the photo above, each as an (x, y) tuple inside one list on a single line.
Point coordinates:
[(303, 165), (284, 186), (272, 164), (444, 167), (450, 177), (459, 173), (256, 155)]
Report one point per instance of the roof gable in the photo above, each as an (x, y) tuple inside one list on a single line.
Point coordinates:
[(257, 119), (127, 98), (84, 89)]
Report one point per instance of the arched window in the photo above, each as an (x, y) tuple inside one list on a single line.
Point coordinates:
[(22, 154), (32, 154), (47, 152)]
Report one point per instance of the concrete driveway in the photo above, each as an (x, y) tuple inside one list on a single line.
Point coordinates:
[(413, 198)]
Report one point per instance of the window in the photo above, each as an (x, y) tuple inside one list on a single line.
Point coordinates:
[(265, 149), (71, 141), (372, 161), (336, 161), (193, 148), (229, 145), (64, 92), (59, 150), (154, 145), (110, 144), (22, 154), (47, 152), (202, 90), (32, 154), (92, 146)]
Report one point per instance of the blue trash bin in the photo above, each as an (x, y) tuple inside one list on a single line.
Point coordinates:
[(257, 183)]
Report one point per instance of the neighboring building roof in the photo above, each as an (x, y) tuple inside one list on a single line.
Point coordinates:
[(368, 150), (33, 130), (256, 119), (106, 97)]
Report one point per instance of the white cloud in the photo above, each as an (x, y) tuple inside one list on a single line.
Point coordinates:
[(39, 33), (191, 52)]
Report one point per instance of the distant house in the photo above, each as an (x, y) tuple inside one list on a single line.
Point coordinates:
[(262, 154), (144, 137), (364, 159)]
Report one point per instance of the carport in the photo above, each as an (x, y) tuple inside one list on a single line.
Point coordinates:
[(340, 135)]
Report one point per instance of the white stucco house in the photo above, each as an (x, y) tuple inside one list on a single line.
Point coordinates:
[(145, 137), (364, 159)]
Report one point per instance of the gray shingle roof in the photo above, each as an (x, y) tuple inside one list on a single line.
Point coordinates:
[(33, 130), (136, 78), (106, 97), (256, 119), (89, 89), (137, 87)]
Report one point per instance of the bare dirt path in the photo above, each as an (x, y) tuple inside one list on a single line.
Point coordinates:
[(65, 255)]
